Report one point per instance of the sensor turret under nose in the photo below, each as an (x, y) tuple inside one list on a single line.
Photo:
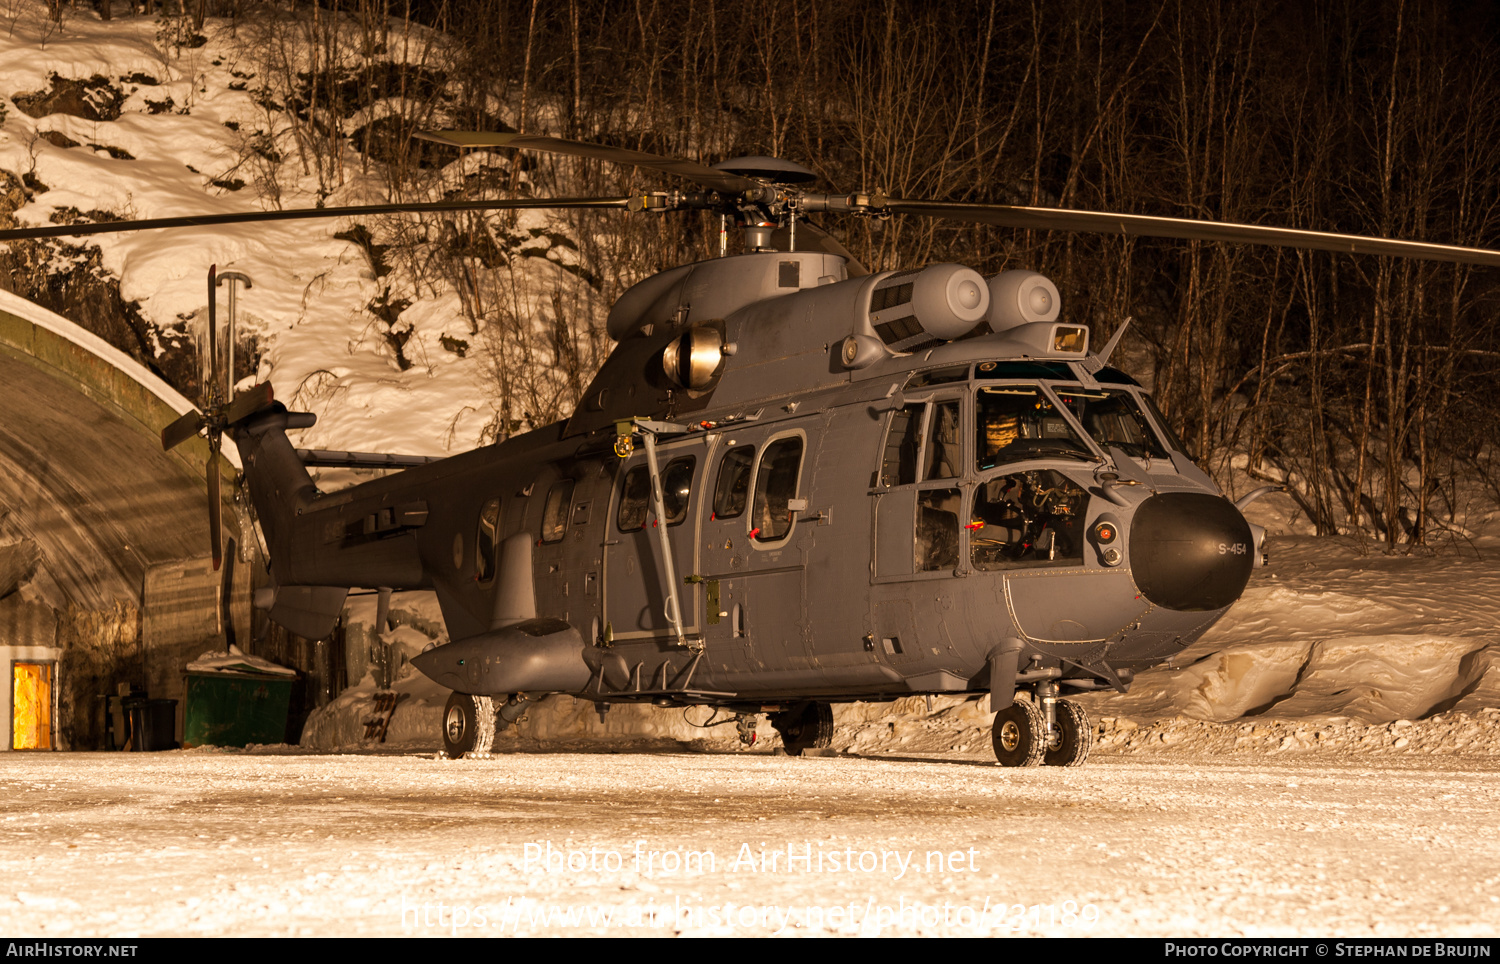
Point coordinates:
[(1190, 551)]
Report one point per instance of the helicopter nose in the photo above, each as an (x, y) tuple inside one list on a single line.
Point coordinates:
[(1190, 551)]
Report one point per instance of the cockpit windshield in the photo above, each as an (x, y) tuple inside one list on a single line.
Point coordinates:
[(1016, 422), (1113, 418)]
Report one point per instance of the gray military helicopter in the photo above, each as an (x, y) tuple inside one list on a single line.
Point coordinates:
[(793, 483)]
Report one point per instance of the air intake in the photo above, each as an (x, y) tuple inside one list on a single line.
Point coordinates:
[(916, 310)]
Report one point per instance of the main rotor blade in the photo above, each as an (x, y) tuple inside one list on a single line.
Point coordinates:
[(1146, 226), (692, 170), (295, 214)]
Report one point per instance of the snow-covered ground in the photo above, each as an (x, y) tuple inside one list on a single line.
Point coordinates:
[(727, 843)]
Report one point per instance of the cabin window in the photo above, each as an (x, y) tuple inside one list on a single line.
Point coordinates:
[(488, 541), (775, 486), (1112, 417), (635, 495), (1027, 519), (942, 458), (732, 488), (555, 512), (937, 529), (635, 500), (898, 465), (677, 488), (1018, 422)]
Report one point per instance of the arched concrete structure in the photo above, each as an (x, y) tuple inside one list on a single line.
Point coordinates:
[(103, 536), (82, 472)]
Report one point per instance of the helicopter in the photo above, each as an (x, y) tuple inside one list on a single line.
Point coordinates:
[(793, 483)]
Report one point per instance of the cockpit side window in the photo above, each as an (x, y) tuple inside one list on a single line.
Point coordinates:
[(1027, 519), (903, 442), (1017, 422), (936, 541), (942, 457), (1164, 425), (1113, 418), (487, 541), (635, 500)]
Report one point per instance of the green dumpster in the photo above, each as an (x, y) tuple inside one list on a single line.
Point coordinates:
[(235, 705)]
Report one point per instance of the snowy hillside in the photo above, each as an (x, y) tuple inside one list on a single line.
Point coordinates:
[(109, 120)]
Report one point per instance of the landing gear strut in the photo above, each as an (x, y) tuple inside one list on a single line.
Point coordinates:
[(804, 725)]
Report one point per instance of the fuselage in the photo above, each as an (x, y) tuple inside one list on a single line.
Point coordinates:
[(857, 535)]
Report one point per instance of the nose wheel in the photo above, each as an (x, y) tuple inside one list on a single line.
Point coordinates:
[(468, 725)]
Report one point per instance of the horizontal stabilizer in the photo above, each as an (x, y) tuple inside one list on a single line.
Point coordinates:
[(309, 611)]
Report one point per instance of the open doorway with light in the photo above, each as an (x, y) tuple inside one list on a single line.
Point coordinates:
[(33, 700)]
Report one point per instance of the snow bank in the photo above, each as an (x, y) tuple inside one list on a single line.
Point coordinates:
[(235, 661)]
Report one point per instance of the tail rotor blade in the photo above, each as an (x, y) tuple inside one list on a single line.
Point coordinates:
[(214, 509), (250, 401), (181, 430), (226, 596), (211, 370)]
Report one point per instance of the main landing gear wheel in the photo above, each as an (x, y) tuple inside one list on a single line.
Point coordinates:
[(468, 725), (1020, 735), (1074, 738), (804, 725)]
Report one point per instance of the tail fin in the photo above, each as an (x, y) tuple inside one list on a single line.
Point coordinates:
[(279, 484)]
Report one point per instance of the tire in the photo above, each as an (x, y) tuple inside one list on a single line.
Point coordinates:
[(803, 726), (1077, 736), (468, 725), (1019, 738)]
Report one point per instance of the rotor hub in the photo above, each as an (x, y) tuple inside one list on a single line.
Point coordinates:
[(773, 170)]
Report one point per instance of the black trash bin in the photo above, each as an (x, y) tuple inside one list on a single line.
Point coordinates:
[(153, 723)]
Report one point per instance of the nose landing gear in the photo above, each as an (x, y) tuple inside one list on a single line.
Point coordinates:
[(1042, 730)]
